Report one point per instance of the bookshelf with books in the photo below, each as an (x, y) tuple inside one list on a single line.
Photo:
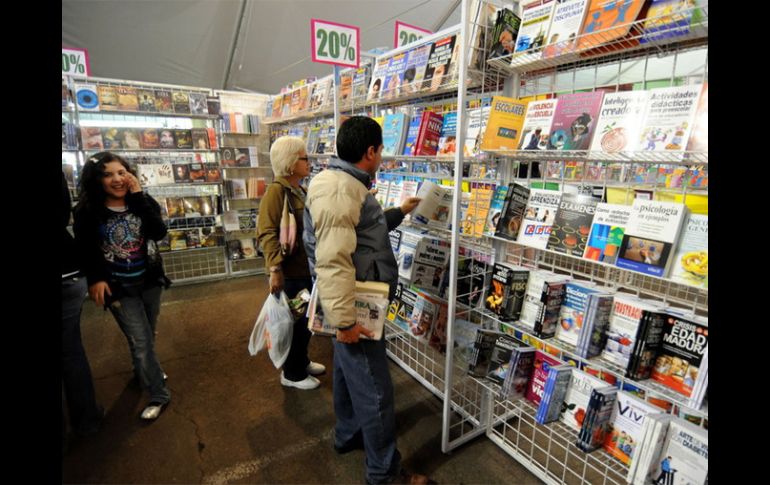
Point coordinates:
[(71, 156), (246, 171), (473, 171), (169, 135), (651, 63)]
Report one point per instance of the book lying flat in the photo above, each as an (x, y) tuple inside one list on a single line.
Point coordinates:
[(371, 308)]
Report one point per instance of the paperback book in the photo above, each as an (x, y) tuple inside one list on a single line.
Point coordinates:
[(691, 259), (568, 17), (504, 128), (538, 217), (607, 229), (650, 235), (537, 124), (572, 224), (619, 123), (574, 121), (514, 208)]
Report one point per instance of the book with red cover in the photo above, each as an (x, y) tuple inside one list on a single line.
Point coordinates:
[(212, 138), (536, 387), (430, 132)]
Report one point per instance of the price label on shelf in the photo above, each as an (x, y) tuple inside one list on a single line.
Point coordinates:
[(334, 43), (406, 34), (74, 62)]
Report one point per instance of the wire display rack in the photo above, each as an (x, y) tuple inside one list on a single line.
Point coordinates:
[(195, 265), (549, 451), (247, 267), (677, 30), (472, 406)]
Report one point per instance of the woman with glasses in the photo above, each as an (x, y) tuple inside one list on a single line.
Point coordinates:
[(116, 225), (288, 269)]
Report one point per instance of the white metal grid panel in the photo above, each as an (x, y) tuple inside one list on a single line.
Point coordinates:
[(549, 450), (194, 265), (607, 43), (414, 354), (247, 267)]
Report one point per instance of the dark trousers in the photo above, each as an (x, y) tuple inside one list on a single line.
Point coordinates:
[(295, 367), (77, 381)]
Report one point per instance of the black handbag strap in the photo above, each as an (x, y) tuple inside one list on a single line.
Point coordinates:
[(287, 194)]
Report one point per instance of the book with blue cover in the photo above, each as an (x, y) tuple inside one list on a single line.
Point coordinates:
[(447, 142), (555, 390), (411, 135), (394, 133)]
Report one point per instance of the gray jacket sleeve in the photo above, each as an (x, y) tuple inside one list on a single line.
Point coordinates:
[(394, 217)]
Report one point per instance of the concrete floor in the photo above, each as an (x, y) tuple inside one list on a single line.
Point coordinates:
[(230, 420)]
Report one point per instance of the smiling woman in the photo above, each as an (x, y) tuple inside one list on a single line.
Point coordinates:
[(116, 226)]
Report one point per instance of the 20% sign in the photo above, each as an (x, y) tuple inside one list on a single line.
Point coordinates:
[(74, 62), (334, 43), (406, 34)]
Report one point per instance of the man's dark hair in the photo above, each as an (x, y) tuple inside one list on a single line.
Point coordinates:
[(355, 136)]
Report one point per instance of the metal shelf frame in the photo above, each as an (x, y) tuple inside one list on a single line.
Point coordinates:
[(610, 44), (549, 451), (191, 265), (471, 406)]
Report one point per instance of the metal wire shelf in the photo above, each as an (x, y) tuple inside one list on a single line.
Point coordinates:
[(673, 157), (549, 450), (664, 289), (192, 222), (183, 190), (567, 352), (152, 114), (612, 42), (304, 116), (194, 265), (175, 151)]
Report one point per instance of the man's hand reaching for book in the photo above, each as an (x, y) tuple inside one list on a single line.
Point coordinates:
[(410, 204)]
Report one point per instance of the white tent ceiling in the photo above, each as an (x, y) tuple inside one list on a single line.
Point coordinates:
[(194, 42)]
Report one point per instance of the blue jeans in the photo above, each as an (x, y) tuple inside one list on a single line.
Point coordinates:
[(137, 317), (77, 381), (295, 367), (363, 403)]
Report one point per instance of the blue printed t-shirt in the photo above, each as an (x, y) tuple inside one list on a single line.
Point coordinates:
[(123, 244)]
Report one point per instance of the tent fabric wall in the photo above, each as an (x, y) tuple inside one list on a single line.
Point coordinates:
[(189, 42)]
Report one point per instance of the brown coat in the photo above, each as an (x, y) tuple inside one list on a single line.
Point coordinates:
[(270, 210)]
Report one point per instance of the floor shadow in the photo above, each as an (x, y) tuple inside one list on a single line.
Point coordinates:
[(120, 422)]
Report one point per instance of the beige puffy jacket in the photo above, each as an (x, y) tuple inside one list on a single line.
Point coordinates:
[(346, 239)]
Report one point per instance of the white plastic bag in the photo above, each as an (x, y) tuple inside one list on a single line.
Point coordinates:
[(273, 329)]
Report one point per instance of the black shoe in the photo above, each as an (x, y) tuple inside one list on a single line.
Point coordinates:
[(357, 443), (94, 426), (406, 478)]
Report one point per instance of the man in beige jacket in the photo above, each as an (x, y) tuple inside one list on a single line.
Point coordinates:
[(346, 239)]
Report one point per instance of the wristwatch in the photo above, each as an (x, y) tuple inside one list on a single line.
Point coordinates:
[(275, 269)]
